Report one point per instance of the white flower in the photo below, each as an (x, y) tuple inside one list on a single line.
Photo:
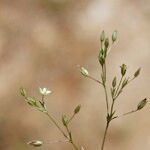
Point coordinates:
[(84, 72), (35, 143), (44, 91)]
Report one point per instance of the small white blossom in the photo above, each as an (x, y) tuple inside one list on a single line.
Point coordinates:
[(84, 72), (44, 91)]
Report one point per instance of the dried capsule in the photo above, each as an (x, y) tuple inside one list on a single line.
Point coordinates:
[(77, 109), (136, 74), (123, 69), (114, 36), (142, 104)]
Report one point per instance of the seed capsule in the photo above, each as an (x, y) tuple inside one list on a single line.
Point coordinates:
[(35, 143)]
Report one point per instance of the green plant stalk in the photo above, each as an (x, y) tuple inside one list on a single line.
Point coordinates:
[(61, 130), (104, 137), (104, 85), (56, 124), (107, 106), (70, 138)]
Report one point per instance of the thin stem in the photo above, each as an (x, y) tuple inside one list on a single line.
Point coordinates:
[(64, 134), (128, 113), (104, 85), (106, 95), (59, 128), (112, 106), (57, 141), (118, 86), (111, 46), (70, 138), (95, 79), (71, 118), (104, 138), (75, 147)]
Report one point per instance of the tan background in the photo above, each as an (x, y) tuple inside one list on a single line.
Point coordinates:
[(42, 42)]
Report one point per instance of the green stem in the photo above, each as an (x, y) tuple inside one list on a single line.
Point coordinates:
[(71, 118), (59, 128), (106, 95), (94, 79), (104, 85), (104, 137), (70, 138), (118, 87)]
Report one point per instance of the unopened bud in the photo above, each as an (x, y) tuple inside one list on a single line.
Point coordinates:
[(106, 43), (123, 69), (136, 74), (35, 143), (65, 120), (125, 82), (114, 82), (77, 109), (114, 36), (142, 104), (84, 72), (23, 92), (102, 37)]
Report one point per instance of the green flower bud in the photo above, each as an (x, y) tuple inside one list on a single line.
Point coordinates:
[(123, 69), (136, 74), (113, 92), (142, 104), (114, 36), (102, 37), (23, 92), (77, 109), (65, 120), (35, 143), (106, 43), (114, 82), (84, 72), (102, 56), (125, 82)]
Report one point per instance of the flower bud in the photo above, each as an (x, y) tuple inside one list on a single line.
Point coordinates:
[(106, 43), (84, 72), (136, 74), (65, 120), (35, 143), (102, 56), (123, 69), (125, 82), (77, 109), (23, 92), (142, 104), (114, 36), (102, 37), (114, 82)]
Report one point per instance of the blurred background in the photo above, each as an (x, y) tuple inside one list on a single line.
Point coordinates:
[(41, 44)]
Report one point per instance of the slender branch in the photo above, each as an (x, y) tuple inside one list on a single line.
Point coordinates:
[(111, 46), (106, 95), (59, 128), (127, 113), (104, 137), (104, 85), (116, 94), (57, 141), (94, 80), (70, 138), (71, 118)]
